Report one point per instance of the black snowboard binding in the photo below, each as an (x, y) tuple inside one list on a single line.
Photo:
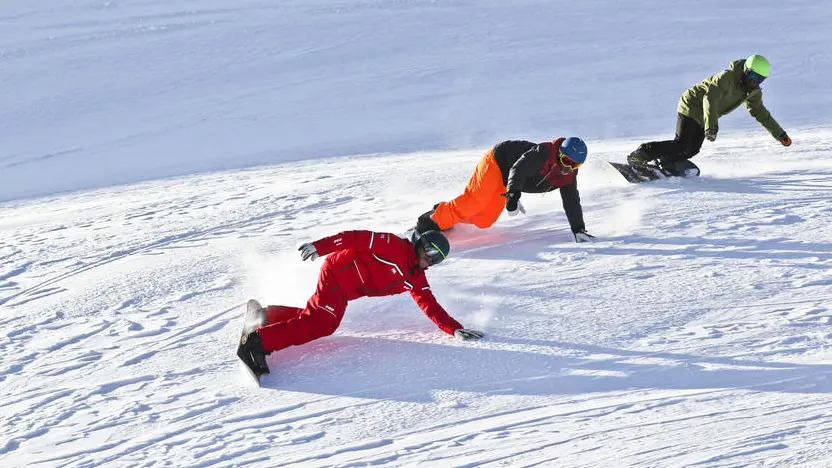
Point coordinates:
[(251, 352), (680, 168), (643, 160), (250, 347)]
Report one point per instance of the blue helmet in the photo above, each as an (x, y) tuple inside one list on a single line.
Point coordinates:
[(575, 149)]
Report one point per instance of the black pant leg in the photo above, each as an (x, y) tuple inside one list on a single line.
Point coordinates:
[(690, 135), (667, 150), (689, 138)]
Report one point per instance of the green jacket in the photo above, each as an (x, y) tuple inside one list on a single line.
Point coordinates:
[(720, 94)]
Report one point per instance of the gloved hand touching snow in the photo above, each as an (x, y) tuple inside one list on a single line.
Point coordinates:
[(468, 334), (513, 205), (308, 252), (520, 209), (710, 133)]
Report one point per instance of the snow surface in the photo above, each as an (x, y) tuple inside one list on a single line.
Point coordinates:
[(204, 140)]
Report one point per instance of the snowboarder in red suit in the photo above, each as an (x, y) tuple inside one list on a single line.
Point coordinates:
[(359, 264)]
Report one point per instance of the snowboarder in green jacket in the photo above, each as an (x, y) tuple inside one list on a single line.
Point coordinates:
[(700, 109)]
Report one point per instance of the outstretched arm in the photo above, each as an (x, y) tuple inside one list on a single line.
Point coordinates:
[(755, 106), (430, 306), (427, 302), (357, 240), (710, 102), (572, 205)]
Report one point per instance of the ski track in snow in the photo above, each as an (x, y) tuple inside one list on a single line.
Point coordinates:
[(702, 310)]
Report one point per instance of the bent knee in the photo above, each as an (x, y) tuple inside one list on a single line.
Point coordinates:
[(327, 322), (329, 327), (484, 224)]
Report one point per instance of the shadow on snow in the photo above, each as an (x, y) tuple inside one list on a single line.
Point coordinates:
[(411, 371)]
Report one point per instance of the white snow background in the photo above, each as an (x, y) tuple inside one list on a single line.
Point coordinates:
[(160, 162)]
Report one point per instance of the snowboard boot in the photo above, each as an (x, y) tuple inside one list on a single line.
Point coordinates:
[(426, 223), (680, 168), (640, 157), (252, 353)]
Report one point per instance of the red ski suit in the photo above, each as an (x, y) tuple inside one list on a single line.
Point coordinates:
[(363, 263)]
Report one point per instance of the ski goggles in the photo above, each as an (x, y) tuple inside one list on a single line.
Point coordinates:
[(754, 77), (568, 162), (434, 254)]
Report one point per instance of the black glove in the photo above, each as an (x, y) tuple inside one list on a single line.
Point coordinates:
[(784, 139), (512, 198), (710, 133), (468, 334), (583, 236)]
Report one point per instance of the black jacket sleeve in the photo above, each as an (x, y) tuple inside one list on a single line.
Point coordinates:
[(572, 205), (526, 166)]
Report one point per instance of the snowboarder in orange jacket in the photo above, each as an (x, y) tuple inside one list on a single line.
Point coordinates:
[(507, 170)]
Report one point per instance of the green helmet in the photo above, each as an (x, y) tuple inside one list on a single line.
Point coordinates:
[(758, 64)]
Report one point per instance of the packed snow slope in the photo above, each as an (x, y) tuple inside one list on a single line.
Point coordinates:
[(694, 332), (161, 161), (97, 93)]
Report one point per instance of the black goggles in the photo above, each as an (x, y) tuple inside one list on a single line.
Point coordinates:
[(433, 253)]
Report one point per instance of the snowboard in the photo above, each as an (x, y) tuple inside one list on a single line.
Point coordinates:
[(255, 317), (638, 174)]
